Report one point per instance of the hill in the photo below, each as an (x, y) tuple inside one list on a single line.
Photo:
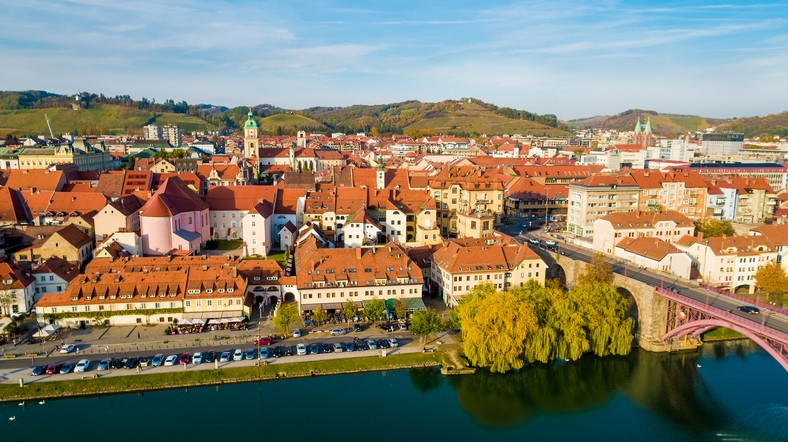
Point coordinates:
[(774, 125), (667, 125)]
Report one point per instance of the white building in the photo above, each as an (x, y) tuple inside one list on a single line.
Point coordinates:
[(669, 226), (654, 254)]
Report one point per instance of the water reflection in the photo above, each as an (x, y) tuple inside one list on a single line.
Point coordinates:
[(666, 384)]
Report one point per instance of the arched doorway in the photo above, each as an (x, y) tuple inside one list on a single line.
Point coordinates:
[(289, 297)]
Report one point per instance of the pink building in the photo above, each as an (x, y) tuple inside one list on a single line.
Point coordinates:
[(174, 220)]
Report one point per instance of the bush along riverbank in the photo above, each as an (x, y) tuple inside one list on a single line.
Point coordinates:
[(160, 381)]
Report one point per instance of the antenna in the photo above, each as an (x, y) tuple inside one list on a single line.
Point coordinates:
[(49, 126)]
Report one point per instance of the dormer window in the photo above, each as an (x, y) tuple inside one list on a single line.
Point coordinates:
[(8, 281), (256, 278), (221, 290), (230, 290), (209, 291)]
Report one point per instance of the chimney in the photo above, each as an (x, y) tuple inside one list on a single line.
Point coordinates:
[(358, 253), (235, 272)]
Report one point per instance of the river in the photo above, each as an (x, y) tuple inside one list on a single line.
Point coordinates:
[(726, 392)]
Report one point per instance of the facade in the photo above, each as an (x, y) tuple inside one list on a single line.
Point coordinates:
[(53, 275), (16, 290), (684, 192), (721, 145), (668, 226), (462, 264), (654, 254), (461, 189), (258, 229), (121, 215), (172, 134), (596, 197), (475, 224), (174, 220), (152, 132)]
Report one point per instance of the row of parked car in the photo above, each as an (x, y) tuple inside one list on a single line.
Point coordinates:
[(238, 354)]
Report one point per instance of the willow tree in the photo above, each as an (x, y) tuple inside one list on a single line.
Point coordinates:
[(598, 270), (604, 314), (495, 326)]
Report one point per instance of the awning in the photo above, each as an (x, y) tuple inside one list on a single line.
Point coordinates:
[(208, 315), (47, 331), (184, 322), (198, 321), (238, 319), (416, 304)]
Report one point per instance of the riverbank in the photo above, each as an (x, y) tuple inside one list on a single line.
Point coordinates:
[(160, 381)]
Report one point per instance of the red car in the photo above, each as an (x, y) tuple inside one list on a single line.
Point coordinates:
[(186, 358), (263, 341), (53, 368)]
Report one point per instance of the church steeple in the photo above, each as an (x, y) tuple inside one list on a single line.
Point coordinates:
[(648, 125), (637, 127), (250, 136)]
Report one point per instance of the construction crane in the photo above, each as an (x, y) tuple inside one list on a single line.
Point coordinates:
[(51, 135)]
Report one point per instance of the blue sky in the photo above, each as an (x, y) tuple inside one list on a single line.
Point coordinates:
[(569, 58)]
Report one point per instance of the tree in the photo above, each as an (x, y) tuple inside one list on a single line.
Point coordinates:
[(400, 308), (598, 270), (426, 322), (712, 228), (772, 279), (6, 299), (603, 312), (373, 309), (349, 309), (286, 315), (11, 328), (319, 315), (177, 153)]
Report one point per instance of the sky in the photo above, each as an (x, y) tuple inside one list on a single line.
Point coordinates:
[(573, 59)]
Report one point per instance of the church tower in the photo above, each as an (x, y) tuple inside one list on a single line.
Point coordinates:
[(643, 137), (251, 142), (292, 157), (380, 174)]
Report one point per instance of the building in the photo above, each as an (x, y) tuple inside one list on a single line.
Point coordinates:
[(251, 142), (172, 134), (362, 230), (121, 215), (475, 224), (174, 220), (596, 197), (654, 254), (53, 275), (152, 132), (668, 226), (16, 290), (43, 242), (684, 192), (462, 264), (721, 145), (461, 189)]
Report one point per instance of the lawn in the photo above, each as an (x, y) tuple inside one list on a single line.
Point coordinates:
[(720, 334), (223, 244)]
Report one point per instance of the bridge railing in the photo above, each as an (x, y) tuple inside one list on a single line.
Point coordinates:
[(723, 314), (745, 299)]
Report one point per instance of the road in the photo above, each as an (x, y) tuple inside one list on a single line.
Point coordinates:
[(767, 318)]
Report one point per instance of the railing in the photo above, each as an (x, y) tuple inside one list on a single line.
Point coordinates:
[(745, 299), (722, 314)]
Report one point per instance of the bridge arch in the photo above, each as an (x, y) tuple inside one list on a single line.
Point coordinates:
[(555, 271), (633, 310), (695, 328)]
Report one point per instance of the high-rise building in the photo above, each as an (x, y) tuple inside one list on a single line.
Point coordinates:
[(152, 132), (172, 134), (724, 144)]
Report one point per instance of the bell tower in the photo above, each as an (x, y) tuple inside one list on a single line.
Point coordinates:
[(251, 142)]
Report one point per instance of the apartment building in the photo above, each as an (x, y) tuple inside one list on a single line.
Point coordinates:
[(598, 196), (463, 189), (668, 226), (684, 192)]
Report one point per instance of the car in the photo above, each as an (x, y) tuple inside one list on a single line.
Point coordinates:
[(328, 348), (338, 347), (349, 346), (144, 361), (67, 368), (394, 343), (225, 357), (373, 344), (301, 349), (361, 345), (314, 349), (185, 358), (356, 328), (171, 360), (251, 354), (337, 332), (383, 343), (208, 357), (82, 366), (39, 370), (403, 325), (68, 348), (103, 365), (289, 350), (750, 309), (53, 368), (130, 363), (297, 333), (116, 363), (550, 243), (157, 360), (238, 355), (197, 358), (264, 353), (533, 241), (262, 341), (276, 352)]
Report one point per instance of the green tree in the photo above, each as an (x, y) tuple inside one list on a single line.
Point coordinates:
[(772, 279), (6, 299), (712, 228), (349, 309), (426, 322), (598, 270), (400, 308), (177, 153), (319, 316), (286, 315), (11, 328), (603, 312), (373, 309), (161, 153)]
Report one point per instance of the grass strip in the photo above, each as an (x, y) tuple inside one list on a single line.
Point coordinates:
[(721, 334), (186, 378)]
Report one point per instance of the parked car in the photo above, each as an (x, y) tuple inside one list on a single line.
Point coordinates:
[(68, 348), (356, 328), (264, 353), (115, 363), (297, 333), (157, 360), (394, 343), (82, 366), (39, 370), (251, 354), (144, 361), (129, 363), (349, 346), (361, 345), (301, 349), (276, 352), (314, 348), (338, 348), (550, 243), (373, 345), (337, 332), (103, 365), (225, 357), (328, 348), (262, 341), (533, 241), (238, 355), (171, 360), (208, 357), (383, 343), (67, 368), (750, 309), (197, 358), (53, 368), (185, 358)]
